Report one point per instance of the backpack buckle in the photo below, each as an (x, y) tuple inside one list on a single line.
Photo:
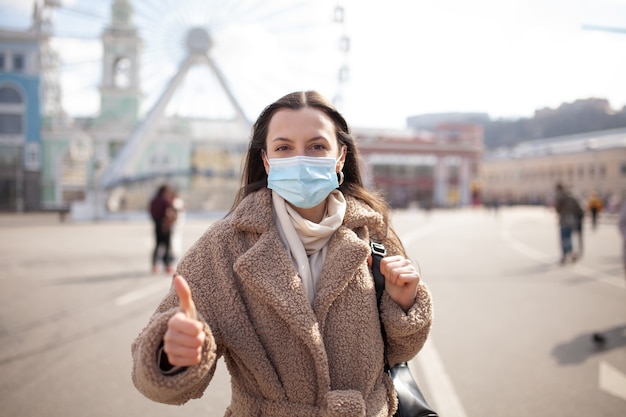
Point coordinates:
[(378, 249)]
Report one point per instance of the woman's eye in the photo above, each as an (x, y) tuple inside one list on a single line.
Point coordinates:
[(319, 147)]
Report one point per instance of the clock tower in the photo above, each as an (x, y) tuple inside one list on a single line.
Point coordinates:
[(120, 88)]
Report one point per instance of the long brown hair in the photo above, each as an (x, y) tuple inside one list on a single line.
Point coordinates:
[(254, 176)]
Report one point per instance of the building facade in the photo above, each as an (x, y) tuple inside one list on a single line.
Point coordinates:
[(20, 140), (585, 163), (425, 169)]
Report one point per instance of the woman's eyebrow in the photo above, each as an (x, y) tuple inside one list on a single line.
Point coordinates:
[(313, 139), (316, 138)]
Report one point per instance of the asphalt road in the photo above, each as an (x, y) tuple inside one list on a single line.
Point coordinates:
[(512, 332)]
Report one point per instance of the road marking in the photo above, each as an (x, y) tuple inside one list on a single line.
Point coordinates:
[(618, 282), (578, 269), (133, 296), (612, 380), (445, 400)]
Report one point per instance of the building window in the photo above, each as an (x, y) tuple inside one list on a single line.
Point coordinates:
[(18, 63), (11, 112), (122, 73), (9, 95), (623, 169), (9, 158), (11, 124), (3, 64)]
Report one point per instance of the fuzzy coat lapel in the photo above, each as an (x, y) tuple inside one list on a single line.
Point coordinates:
[(269, 275), (346, 253), (283, 291)]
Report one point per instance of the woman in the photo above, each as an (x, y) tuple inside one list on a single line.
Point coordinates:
[(282, 285)]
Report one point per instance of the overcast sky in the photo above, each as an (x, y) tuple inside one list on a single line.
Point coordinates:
[(506, 58)]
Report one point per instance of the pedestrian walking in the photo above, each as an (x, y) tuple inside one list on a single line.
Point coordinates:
[(163, 216), (570, 215), (281, 287), (595, 206)]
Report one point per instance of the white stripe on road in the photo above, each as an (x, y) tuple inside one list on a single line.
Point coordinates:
[(584, 271), (611, 380), (160, 286), (518, 246), (445, 400), (614, 280)]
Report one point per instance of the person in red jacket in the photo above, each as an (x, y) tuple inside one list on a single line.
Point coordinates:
[(163, 216)]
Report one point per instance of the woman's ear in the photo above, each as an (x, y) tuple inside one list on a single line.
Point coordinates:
[(266, 164), (342, 158)]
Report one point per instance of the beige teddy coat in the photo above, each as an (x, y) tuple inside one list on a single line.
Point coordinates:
[(285, 357)]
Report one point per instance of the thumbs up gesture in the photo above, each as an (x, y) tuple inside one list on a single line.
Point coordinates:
[(184, 337)]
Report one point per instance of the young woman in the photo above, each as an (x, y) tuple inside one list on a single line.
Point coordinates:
[(281, 288)]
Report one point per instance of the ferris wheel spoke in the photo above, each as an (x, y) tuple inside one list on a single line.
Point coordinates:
[(147, 12), (97, 14)]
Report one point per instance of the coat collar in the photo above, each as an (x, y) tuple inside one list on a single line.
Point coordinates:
[(254, 214)]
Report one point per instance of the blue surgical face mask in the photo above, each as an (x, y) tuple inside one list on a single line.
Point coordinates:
[(304, 181)]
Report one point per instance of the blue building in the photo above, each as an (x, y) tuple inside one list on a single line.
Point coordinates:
[(20, 119)]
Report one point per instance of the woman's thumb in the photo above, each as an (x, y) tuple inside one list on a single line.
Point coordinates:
[(184, 295)]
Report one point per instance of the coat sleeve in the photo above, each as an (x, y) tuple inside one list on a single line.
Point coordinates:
[(169, 389), (191, 382), (406, 332)]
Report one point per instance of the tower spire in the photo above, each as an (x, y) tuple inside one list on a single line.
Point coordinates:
[(120, 88), (122, 15)]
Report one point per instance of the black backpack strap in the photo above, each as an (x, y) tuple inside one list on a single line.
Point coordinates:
[(378, 253)]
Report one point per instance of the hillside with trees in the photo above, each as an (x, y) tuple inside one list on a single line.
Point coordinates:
[(581, 116)]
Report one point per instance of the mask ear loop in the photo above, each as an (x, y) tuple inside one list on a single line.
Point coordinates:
[(340, 173)]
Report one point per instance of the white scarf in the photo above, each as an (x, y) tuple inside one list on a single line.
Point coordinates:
[(306, 241)]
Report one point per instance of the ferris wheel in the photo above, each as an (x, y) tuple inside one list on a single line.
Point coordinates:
[(250, 53), (262, 49)]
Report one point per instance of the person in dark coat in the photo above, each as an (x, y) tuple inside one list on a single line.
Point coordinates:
[(163, 216), (570, 214)]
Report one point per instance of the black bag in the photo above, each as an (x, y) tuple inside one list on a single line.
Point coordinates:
[(411, 402)]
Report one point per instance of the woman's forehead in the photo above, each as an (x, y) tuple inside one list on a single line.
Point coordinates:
[(307, 122)]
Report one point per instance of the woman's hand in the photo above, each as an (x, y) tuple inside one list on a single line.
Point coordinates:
[(401, 279), (184, 337)]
